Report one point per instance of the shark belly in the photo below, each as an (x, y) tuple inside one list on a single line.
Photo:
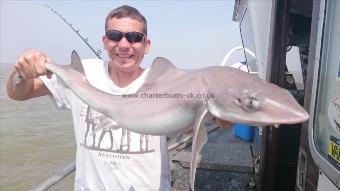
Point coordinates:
[(172, 121)]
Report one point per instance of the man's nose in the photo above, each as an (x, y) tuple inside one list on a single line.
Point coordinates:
[(124, 43)]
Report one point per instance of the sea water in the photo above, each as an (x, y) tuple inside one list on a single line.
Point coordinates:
[(36, 140)]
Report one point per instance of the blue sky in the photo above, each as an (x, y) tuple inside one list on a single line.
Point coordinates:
[(191, 34)]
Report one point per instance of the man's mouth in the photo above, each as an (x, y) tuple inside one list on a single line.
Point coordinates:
[(124, 55)]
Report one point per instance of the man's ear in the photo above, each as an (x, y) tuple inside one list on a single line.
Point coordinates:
[(105, 42), (147, 45)]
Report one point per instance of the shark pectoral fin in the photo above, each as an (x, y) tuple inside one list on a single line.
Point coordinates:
[(200, 137)]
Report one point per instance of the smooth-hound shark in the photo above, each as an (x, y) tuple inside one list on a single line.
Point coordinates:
[(230, 94)]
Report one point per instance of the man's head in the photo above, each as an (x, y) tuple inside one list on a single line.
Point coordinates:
[(125, 38), (126, 11)]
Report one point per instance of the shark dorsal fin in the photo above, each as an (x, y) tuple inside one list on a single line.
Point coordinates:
[(161, 70), (76, 62)]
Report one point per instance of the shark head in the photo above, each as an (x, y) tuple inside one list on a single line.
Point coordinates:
[(249, 100)]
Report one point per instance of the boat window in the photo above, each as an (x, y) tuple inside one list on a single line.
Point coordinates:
[(326, 125), (248, 41)]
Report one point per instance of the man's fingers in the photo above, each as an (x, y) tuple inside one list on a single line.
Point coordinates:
[(40, 69), (31, 64), (21, 68)]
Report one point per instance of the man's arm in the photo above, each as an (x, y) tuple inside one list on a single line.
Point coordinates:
[(26, 88), (29, 66)]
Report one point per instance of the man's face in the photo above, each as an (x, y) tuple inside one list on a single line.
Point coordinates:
[(126, 56)]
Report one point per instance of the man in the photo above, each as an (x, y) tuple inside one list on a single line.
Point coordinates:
[(112, 158)]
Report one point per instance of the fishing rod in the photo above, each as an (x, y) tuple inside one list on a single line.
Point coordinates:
[(17, 77), (85, 40)]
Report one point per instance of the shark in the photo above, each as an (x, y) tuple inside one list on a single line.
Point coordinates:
[(172, 100)]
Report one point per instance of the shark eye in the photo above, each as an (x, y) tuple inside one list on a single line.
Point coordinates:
[(251, 103)]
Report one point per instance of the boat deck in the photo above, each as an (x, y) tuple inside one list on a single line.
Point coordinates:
[(225, 164)]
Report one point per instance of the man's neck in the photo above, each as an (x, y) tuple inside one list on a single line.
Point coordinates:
[(123, 78)]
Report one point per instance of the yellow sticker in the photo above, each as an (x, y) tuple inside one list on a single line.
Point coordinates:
[(334, 151)]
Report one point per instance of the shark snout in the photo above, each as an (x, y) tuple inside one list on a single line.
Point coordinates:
[(288, 112), (299, 116)]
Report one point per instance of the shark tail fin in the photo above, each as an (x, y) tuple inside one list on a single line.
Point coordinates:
[(76, 62)]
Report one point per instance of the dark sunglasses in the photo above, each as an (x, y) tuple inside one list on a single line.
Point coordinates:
[(131, 37)]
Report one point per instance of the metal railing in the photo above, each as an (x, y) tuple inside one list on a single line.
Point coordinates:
[(57, 177)]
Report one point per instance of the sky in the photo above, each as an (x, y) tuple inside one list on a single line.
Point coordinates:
[(191, 34)]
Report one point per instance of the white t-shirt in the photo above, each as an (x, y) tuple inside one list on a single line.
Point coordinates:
[(112, 158)]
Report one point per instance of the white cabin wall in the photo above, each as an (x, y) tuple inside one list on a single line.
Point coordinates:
[(262, 19)]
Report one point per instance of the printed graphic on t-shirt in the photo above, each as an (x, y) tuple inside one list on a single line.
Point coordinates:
[(100, 135)]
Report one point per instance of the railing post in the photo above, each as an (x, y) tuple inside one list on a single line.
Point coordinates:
[(48, 183)]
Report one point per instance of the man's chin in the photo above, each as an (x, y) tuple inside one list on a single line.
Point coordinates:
[(127, 67)]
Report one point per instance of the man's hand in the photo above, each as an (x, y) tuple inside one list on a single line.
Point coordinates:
[(31, 64), (221, 123), (218, 122)]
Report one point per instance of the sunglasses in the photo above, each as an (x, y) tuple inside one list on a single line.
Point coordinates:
[(131, 37)]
